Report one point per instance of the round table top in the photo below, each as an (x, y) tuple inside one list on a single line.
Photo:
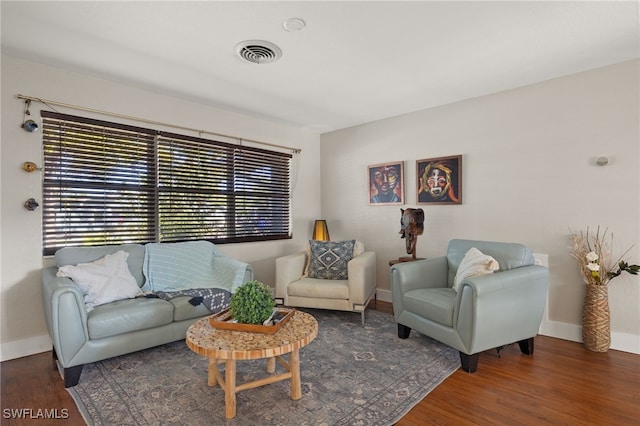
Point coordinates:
[(204, 339)]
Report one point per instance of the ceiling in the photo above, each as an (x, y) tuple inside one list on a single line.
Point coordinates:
[(354, 62)]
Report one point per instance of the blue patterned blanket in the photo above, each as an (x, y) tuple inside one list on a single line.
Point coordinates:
[(214, 299)]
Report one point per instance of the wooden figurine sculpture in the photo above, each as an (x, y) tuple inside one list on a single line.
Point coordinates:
[(412, 225)]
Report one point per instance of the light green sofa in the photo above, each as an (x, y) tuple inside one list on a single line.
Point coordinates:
[(488, 311), (80, 337)]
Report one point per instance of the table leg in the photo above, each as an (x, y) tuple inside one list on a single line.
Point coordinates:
[(294, 366), (230, 388), (213, 366), (271, 364)]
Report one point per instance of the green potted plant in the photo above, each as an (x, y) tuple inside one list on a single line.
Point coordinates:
[(252, 303)]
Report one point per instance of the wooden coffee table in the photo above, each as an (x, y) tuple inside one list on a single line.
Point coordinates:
[(228, 346)]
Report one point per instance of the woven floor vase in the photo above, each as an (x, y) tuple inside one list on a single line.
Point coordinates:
[(596, 329)]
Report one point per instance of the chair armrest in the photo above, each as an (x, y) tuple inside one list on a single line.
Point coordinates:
[(406, 276), (427, 273), (362, 277), (503, 306), (65, 314), (288, 269)]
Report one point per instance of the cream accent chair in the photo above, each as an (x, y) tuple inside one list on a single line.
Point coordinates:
[(353, 294)]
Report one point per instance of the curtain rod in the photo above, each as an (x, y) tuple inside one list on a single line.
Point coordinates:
[(157, 123)]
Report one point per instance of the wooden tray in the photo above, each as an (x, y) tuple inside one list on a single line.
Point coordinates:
[(222, 321)]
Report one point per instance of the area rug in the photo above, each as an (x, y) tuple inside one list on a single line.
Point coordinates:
[(351, 375)]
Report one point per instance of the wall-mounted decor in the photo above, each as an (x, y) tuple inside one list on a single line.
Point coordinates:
[(29, 167), (386, 183), (28, 125), (31, 204), (439, 180)]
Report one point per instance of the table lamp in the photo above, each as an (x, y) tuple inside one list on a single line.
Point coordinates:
[(320, 231)]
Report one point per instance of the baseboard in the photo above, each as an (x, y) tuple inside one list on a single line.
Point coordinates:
[(561, 330), (25, 347), (625, 342), (383, 295)]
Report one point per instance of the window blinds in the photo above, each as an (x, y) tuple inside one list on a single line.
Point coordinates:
[(108, 183)]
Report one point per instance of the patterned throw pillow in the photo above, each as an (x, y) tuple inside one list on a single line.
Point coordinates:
[(328, 259)]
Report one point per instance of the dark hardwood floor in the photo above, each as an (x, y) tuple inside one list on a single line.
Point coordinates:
[(562, 383)]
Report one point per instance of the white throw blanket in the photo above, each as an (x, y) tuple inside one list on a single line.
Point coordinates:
[(189, 265)]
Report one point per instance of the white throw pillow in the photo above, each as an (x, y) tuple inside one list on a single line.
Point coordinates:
[(474, 263), (104, 280)]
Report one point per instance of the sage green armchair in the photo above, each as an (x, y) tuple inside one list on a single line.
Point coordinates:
[(487, 311)]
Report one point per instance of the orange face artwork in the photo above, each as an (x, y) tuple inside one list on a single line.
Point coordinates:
[(385, 179), (436, 182)]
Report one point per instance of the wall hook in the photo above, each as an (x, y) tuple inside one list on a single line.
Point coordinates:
[(29, 167), (31, 204)]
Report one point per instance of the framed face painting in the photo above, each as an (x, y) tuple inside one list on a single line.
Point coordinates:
[(386, 183), (439, 180)]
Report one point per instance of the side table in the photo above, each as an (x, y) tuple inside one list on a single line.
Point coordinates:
[(228, 346), (404, 259)]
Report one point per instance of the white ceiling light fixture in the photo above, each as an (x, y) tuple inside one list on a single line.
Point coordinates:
[(258, 51), (294, 24)]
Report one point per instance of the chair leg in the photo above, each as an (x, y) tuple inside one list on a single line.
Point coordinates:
[(526, 346), (72, 375), (469, 363), (362, 314), (403, 331)]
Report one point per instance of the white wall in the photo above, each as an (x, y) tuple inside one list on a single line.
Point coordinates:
[(528, 176), (22, 328)]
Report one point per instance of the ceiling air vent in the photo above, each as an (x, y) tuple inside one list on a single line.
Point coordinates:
[(258, 51)]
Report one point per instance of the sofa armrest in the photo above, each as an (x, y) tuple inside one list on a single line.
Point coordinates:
[(65, 314), (487, 301), (234, 272), (288, 269), (362, 277)]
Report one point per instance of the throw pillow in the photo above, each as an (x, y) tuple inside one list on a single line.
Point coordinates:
[(358, 249), (328, 259), (104, 280), (474, 263)]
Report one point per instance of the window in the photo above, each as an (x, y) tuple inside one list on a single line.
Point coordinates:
[(108, 183)]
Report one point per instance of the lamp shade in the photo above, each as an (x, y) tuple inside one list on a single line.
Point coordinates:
[(320, 231)]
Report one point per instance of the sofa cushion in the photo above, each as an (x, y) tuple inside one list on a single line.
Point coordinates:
[(104, 280), (183, 310), (319, 288), (437, 304), (75, 255), (329, 259), (129, 315), (474, 263)]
